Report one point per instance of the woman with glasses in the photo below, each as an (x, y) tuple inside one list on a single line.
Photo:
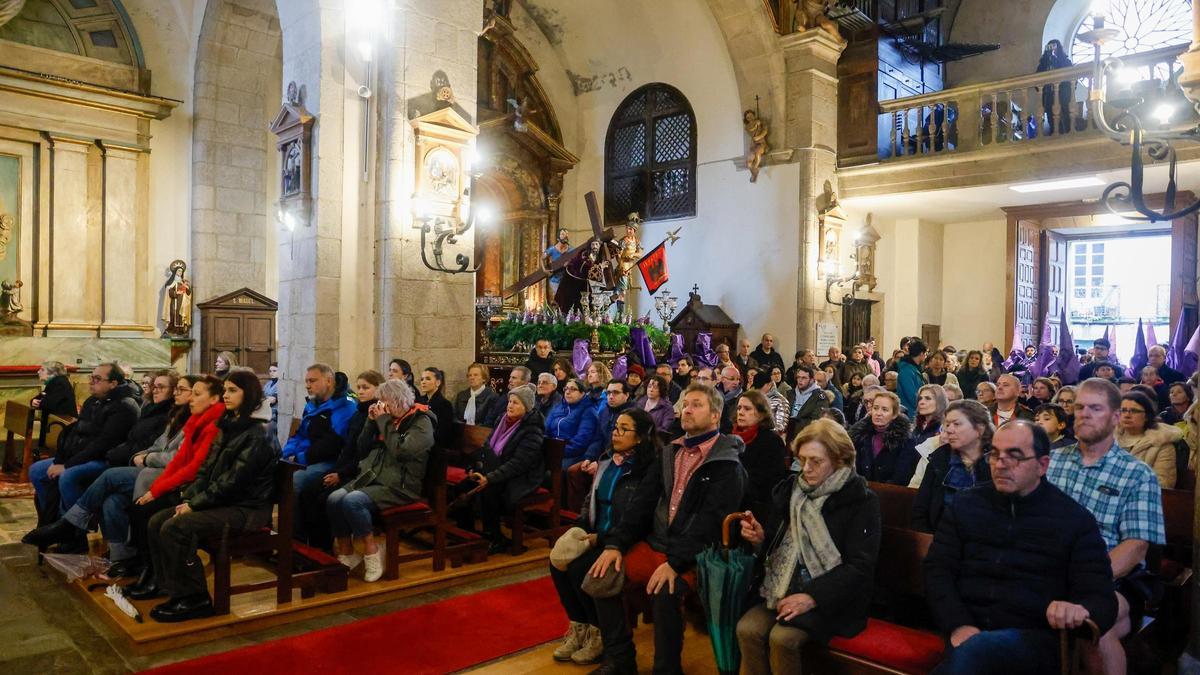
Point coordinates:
[(633, 446), (1141, 434), (573, 420), (153, 419), (957, 465), (817, 554)]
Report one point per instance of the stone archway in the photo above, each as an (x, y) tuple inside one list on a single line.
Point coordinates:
[(237, 91)]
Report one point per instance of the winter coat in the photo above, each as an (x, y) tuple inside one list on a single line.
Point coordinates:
[(443, 418), (851, 368), (358, 445), (56, 398), (842, 594), (521, 466), (969, 380), (715, 490), (946, 378), (920, 435), (163, 450), (910, 381), (537, 365), (1155, 447), (998, 562), (1020, 413), (606, 419), (767, 361), (931, 496), (393, 473), (897, 459), (663, 413), (810, 411), (766, 460), (151, 423), (102, 425), (550, 403), (240, 467), (621, 497), (483, 401), (198, 436), (322, 432), (575, 424)]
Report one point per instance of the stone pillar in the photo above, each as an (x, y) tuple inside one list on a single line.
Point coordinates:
[(422, 316), (811, 130)]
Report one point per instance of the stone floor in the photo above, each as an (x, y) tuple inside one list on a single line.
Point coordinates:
[(48, 631)]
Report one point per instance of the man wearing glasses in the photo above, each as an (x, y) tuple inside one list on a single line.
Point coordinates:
[(1123, 495), (104, 421), (1013, 561)]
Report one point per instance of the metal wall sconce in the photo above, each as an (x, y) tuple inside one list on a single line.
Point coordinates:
[(445, 176), (864, 267)]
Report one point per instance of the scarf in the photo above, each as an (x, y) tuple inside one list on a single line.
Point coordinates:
[(747, 434), (504, 433), (807, 541)]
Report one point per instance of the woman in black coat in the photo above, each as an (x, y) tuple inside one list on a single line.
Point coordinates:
[(971, 373), (511, 463), (632, 449), (1055, 57), (765, 458), (56, 398), (429, 393), (152, 419), (816, 556), (957, 465), (884, 451)]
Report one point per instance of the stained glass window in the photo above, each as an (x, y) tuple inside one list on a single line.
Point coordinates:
[(650, 156), (1144, 25)]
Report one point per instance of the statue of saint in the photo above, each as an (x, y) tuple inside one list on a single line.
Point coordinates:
[(177, 301), (758, 142), (628, 253)]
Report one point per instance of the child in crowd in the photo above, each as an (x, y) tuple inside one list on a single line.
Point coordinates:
[(1054, 419)]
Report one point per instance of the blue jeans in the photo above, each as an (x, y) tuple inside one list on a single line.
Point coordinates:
[(71, 483), (310, 477), (1003, 651), (349, 513), (111, 495)]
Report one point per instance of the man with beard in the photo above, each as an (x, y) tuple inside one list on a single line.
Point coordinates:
[(1123, 495)]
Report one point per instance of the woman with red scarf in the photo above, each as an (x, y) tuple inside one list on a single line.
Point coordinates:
[(766, 457)]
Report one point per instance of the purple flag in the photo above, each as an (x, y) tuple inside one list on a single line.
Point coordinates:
[(1018, 340), (1151, 338), (620, 367), (1067, 363), (640, 347), (1045, 334), (1175, 353), (581, 358), (1191, 355), (1045, 360), (1016, 358), (703, 353), (676, 349), (1139, 358), (1110, 334)]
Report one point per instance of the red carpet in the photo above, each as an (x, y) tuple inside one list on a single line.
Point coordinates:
[(440, 637)]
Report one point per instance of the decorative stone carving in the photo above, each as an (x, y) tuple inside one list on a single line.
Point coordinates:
[(442, 186), (11, 308), (831, 220), (757, 131), (811, 14), (865, 255), (293, 128)]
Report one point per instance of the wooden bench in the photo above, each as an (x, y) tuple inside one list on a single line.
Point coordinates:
[(895, 504), (275, 542), (543, 503), (429, 513), (55, 426), (18, 423)]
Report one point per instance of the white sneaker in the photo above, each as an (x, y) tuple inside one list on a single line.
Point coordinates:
[(373, 566), (351, 561)]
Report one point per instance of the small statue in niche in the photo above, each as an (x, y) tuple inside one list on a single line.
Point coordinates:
[(757, 130), (291, 169), (10, 301), (811, 14), (177, 301), (520, 112)]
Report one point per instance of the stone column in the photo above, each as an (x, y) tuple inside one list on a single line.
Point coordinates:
[(811, 130)]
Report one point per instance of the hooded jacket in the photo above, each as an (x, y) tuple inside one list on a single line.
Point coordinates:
[(322, 431), (1155, 447), (240, 467), (714, 491), (909, 380), (520, 467), (897, 460), (575, 424), (622, 495), (102, 425), (394, 470), (198, 436)]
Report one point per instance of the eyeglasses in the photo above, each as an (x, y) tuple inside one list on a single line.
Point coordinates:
[(160, 387), (1006, 460), (621, 431)]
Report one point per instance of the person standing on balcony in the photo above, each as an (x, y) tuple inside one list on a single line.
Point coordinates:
[(1052, 58)]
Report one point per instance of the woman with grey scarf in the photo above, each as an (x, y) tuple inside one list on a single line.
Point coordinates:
[(816, 554)]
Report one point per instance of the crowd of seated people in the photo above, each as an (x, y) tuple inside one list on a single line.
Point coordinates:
[(653, 463)]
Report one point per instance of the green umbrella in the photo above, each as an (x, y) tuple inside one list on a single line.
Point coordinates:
[(724, 576)]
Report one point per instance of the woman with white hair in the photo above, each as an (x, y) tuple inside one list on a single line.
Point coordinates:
[(390, 475), (56, 398)]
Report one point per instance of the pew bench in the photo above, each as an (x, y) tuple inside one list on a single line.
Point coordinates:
[(18, 424)]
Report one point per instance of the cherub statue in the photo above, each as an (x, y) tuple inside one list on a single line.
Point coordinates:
[(811, 14), (10, 301), (520, 112), (757, 130)]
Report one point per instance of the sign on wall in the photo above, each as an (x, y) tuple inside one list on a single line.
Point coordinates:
[(827, 336)]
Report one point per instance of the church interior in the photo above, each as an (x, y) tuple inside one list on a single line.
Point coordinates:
[(445, 200)]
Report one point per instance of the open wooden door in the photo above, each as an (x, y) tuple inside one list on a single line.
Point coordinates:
[(1024, 279), (1054, 279), (1183, 273)]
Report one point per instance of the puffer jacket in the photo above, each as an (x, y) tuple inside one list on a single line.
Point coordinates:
[(394, 471), (240, 467), (897, 459), (575, 424), (103, 424), (150, 424), (520, 467), (1155, 447)]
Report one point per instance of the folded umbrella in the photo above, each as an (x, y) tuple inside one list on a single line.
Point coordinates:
[(724, 575)]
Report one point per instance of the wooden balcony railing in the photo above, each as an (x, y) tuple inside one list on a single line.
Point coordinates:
[(1027, 109)]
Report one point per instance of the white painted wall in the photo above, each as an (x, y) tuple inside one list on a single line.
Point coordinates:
[(973, 261)]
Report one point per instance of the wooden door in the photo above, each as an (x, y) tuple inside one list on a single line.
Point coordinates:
[(856, 323), (226, 337), (258, 341), (1183, 273), (1054, 279), (931, 335), (1024, 272)]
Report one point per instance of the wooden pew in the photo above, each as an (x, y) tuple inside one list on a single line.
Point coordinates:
[(55, 426), (429, 513), (895, 504), (18, 422), (542, 504)]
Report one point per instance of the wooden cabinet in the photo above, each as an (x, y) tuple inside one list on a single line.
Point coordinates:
[(697, 317), (241, 322)]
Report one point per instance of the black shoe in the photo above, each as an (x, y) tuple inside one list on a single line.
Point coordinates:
[(146, 578), (129, 567), (149, 591), (58, 532), (499, 545), (613, 667), (77, 544), (183, 609)]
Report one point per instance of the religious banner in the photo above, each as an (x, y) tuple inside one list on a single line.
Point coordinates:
[(653, 267)]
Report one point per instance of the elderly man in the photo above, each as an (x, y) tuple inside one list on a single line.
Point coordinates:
[(1124, 496), (1014, 560), (676, 513), (730, 388), (807, 401), (767, 356), (666, 372), (837, 360), (1006, 406), (827, 387), (321, 436), (519, 376), (104, 421), (547, 393)]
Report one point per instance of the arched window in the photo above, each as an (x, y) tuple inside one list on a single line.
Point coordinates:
[(1144, 25), (650, 156)]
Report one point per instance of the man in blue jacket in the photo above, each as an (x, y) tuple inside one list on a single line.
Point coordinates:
[(1013, 561), (909, 370), (322, 432)]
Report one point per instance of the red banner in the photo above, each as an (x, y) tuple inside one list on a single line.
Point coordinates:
[(654, 268)]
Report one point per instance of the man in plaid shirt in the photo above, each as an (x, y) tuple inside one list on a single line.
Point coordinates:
[(1123, 494)]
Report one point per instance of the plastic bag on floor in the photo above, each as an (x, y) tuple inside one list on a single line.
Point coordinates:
[(76, 565)]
